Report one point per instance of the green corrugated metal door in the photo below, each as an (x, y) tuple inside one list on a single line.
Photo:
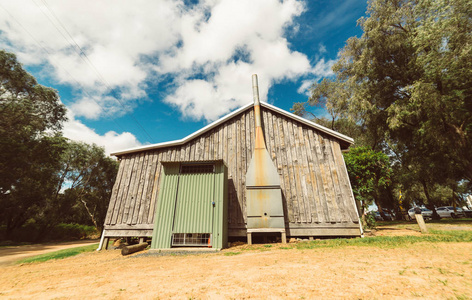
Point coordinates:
[(194, 208), (161, 235)]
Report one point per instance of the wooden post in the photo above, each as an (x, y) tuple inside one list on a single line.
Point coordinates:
[(249, 238), (106, 241), (420, 221)]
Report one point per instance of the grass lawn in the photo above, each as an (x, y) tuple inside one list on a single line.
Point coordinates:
[(59, 254), (440, 231)]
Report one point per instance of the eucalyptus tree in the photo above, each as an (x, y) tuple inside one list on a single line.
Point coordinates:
[(88, 175), (407, 81), (31, 117)]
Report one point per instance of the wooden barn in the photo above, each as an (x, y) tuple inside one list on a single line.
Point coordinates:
[(317, 199)]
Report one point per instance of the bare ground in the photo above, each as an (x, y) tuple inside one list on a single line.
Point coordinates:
[(424, 270), (8, 255)]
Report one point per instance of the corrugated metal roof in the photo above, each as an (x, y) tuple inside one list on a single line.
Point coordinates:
[(207, 128)]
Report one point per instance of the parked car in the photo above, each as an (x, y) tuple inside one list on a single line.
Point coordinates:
[(426, 213), (467, 213), (448, 212), (376, 215), (389, 212)]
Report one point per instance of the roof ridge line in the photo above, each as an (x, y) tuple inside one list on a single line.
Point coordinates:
[(227, 117)]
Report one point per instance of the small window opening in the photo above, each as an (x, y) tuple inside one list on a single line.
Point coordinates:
[(197, 169), (191, 239)]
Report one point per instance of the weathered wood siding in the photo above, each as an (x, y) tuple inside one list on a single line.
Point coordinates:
[(315, 185)]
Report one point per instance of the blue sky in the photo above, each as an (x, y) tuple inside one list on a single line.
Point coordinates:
[(138, 72)]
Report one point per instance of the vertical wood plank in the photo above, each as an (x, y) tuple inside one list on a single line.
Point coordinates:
[(192, 150), (271, 137), (124, 194), (216, 142), (297, 158), (242, 165), (114, 192), (317, 160), (155, 187), (126, 160), (295, 166), (206, 147), (182, 152), (187, 151), (232, 166), (227, 142), (280, 152), (351, 206), (327, 181), (340, 198), (201, 148), (133, 219), (304, 174), (221, 143), (144, 209), (131, 198), (316, 206), (238, 170), (334, 178), (293, 204)]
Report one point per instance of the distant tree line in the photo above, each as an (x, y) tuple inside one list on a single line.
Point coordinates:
[(403, 90), (45, 179)]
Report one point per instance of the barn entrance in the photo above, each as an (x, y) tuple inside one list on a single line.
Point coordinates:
[(194, 209), (191, 209)]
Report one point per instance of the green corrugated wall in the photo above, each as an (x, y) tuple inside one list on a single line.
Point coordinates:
[(185, 205)]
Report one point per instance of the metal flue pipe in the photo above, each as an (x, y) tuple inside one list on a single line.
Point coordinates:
[(260, 142), (263, 193)]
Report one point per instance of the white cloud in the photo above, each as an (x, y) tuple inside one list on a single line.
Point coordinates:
[(323, 69), (113, 35), (208, 50), (322, 49), (111, 141), (87, 107), (232, 28), (320, 70), (305, 87)]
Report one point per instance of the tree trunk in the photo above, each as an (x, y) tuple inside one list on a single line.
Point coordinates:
[(431, 203), (89, 213), (382, 213)]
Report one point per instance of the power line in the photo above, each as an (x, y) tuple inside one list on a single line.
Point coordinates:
[(84, 58), (45, 50)]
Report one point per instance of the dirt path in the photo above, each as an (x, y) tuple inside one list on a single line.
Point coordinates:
[(421, 270), (9, 255), (418, 271)]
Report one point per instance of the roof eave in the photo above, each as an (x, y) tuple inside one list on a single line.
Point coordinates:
[(185, 139), (347, 140)]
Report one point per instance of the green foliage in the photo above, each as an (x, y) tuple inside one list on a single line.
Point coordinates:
[(90, 176), (37, 163), (74, 231), (369, 173), (29, 113), (370, 221), (61, 254), (406, 84), (390, 242), (231, 253), (60, 232)]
